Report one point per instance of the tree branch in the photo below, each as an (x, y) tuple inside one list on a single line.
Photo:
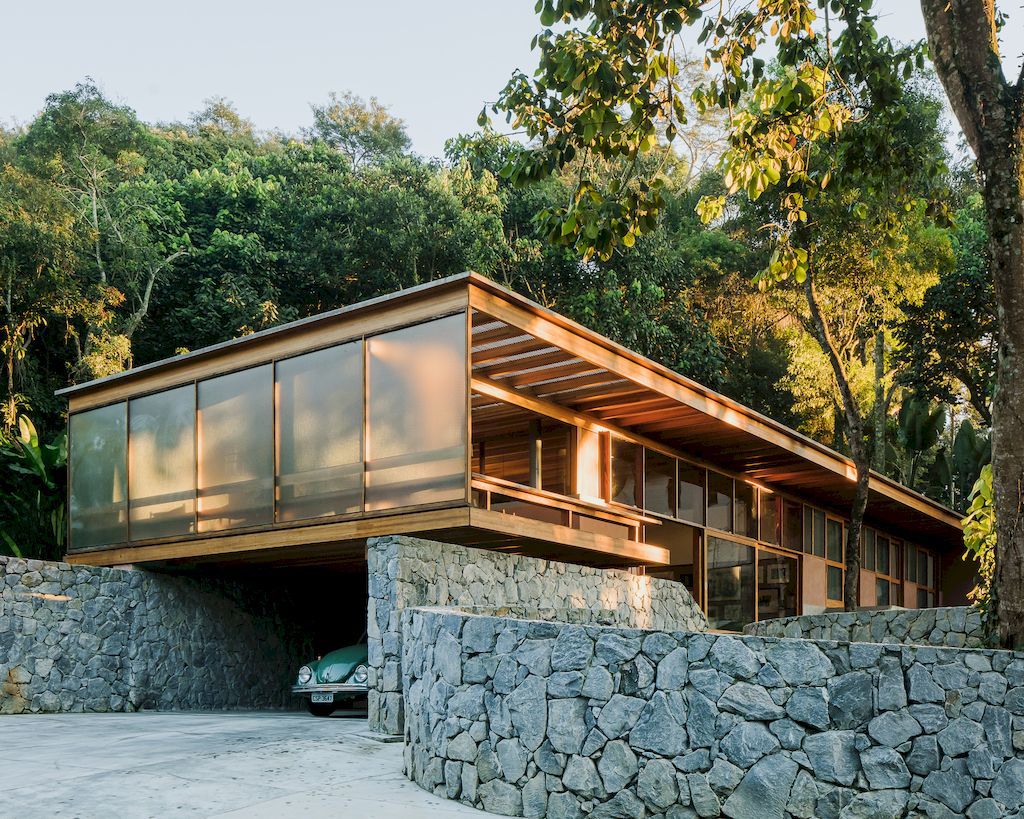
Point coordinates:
[(854, 421)]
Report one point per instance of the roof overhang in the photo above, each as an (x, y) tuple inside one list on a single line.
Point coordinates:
[(520, 346), (553, 360)]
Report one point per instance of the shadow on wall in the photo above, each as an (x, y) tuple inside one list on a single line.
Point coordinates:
[(82, 638), (528, 718)]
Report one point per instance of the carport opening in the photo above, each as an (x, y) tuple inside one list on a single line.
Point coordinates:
[(253, 627)]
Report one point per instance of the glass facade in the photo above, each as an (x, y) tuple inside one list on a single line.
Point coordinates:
[(626, 472), (161, 464), (792, 525), (745, 509), (691, 493), (719, 502), (236, 449), (555, 450), (98, 501), (320, 433), (769, 523), (834, 541), (834, 583), (283, 441), (416, 415), (683, 543), (659, 483), (777, 585)]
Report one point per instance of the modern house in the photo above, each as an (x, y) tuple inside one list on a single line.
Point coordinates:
[(464, 413)]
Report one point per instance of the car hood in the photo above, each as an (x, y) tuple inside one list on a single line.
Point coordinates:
[(337, 666)]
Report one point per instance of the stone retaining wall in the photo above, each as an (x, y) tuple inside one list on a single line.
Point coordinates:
[(83, 638), (536, 719), (406, 572), (953, 626)]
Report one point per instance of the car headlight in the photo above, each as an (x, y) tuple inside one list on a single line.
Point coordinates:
[(305, 674), (359, 675)]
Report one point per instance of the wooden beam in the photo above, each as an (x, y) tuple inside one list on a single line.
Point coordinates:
[(276, 539), (516, 526)]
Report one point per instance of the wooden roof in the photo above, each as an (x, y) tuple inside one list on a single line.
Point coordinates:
[(520, 347), (524, 350)]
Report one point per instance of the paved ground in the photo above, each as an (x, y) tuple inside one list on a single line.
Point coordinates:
[(200, 764)]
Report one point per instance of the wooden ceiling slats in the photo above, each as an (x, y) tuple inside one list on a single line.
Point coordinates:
[(527, 345), (540, 376), (584, 386), (577, 382), (517, 364), (489, 335)]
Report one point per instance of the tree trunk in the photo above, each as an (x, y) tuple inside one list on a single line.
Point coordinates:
[(858, 447), (1003, 194), (963, 38), (880, 409), (851, 589)]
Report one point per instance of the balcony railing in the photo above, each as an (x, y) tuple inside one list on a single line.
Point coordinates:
[(538, 504)]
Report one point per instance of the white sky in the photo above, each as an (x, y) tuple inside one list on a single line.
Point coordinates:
[(433, 63)]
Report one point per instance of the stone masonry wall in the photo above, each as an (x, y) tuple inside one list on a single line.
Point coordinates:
[(405, 572), (953, 626), (541, 719), (82, 638)]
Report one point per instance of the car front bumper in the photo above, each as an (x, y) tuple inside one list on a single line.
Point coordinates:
[(330, 688)]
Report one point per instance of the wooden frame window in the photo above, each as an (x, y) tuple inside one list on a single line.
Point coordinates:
[(720, 502), (792, 525), (769, 517), (835, 568), (626, 471)]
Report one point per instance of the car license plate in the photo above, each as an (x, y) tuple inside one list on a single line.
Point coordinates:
[(321, 697)]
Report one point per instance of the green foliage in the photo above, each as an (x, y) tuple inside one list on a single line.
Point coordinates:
[(949, 341), (920, 425), (364, 132), (980, 544), (32, 486), (608, 83), (206, 230)]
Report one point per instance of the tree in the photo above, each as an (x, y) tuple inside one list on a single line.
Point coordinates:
[(948, 343), (964, 39), (365, 132), (92, 152), (37, 258), (607, 86)]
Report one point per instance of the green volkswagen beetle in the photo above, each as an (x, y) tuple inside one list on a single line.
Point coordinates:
[(334, 679)]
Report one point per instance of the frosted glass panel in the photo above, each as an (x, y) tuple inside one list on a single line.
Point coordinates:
[(236, 450), (588, 464), (161, 457), (99, 493), (416, 403), (320, 431)]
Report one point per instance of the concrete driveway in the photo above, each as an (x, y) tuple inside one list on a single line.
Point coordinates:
[(241, 764)]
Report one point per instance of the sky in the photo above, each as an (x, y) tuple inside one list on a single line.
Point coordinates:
[(434, 64)]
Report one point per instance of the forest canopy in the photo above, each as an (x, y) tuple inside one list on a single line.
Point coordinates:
[(124, 242)]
